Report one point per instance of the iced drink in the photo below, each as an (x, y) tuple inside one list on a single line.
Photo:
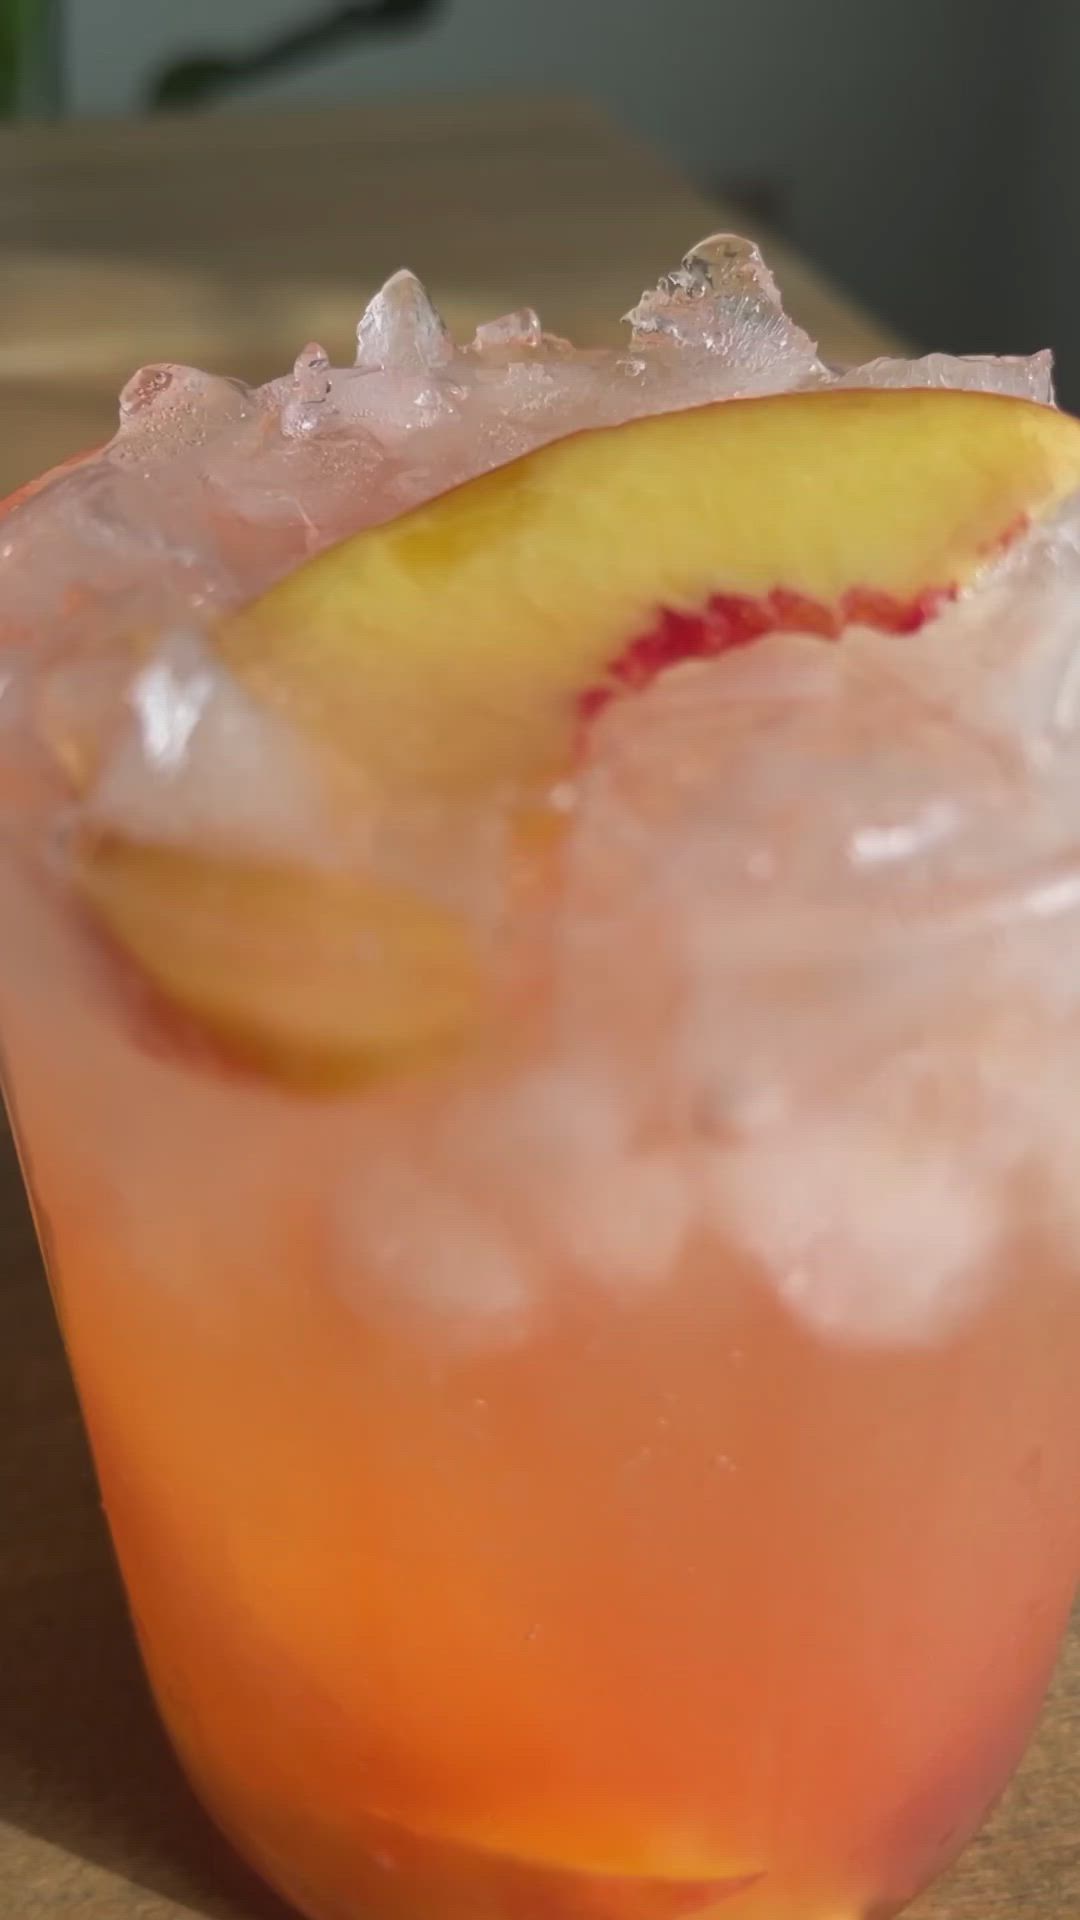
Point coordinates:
[(540, 999)]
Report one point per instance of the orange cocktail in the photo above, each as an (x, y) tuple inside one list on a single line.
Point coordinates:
[(557, 1170)]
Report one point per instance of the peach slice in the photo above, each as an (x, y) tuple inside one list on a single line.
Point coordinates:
[(459, 649), (321, 979), (453, 647)]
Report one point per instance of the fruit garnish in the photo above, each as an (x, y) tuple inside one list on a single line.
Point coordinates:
[(319, 978), (460, 650), (452, 648)]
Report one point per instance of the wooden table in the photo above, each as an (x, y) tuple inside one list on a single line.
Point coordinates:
[(230, 241)]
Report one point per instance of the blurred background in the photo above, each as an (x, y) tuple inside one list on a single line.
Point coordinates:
[(926, 154), (925, 157)]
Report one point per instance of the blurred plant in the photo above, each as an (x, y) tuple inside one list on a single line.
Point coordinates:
[(195, 81), (29, 57)]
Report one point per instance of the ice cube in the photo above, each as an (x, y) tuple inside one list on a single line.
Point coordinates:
[(98, 551), (779, 838), (521, 329), (166, 409), (546, 1120), (144, 389), (1005, 659), (285, 484), (1028, 377), (421, 1257), (780, 762), (171, 748), (869, 1238), (623, 1223), (401, 331), (724, 302), (557, 1152), (190, 759), (517, 336), (309, 391)]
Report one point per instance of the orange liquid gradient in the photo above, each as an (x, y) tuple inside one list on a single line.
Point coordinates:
[(670, 1606)]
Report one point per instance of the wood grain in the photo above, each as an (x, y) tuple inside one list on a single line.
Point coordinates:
[(229, 241)]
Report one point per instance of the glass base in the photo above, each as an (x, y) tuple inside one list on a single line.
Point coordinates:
[(392, 1875)]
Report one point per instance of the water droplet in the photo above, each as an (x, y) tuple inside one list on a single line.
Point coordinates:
[(401, 331)]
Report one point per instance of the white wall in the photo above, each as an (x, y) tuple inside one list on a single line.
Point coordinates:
[(884, 125)]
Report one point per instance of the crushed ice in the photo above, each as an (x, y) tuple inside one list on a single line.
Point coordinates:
[(310, 390), (870, 1238), (401, 331), (1024, 377), (168, 707), (519, 329), (724, 301), (199, 761), (166, 407), (328, 449)]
